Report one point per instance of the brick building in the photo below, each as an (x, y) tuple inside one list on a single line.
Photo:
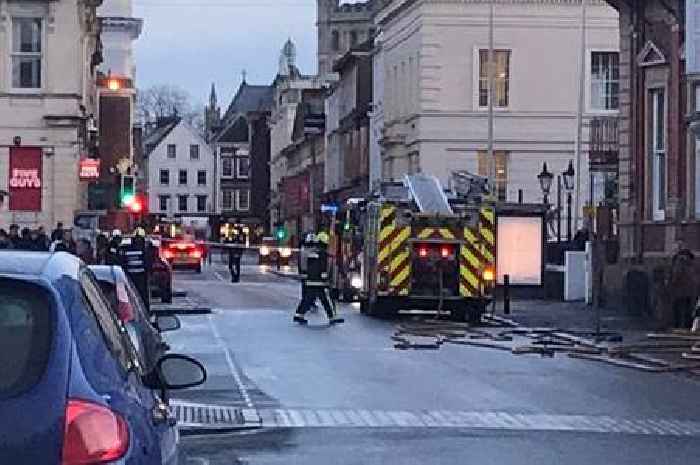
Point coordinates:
[(659, 164)]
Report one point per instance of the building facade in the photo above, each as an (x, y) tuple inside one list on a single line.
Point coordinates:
[(340, 27), (435, 88), (181, 181), (241, 142), (297, 125), (348, 104), (49, 53)]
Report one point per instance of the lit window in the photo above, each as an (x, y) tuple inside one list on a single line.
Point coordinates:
[(26, 53), (501, 171), (501, 78), (605, 80)]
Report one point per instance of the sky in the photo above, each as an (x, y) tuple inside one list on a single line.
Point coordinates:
[(192, 43)]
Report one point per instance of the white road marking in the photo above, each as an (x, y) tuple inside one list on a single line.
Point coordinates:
[(232, 366), (341, 418)]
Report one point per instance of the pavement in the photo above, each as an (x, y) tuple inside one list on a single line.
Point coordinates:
[(344, 395)]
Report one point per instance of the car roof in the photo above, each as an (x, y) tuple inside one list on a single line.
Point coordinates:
[(104, 272), (39, 264)]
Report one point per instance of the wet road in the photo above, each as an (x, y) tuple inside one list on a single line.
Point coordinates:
[(345, 395)]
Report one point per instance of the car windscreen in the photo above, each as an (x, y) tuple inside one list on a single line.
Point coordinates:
[(25, 335)]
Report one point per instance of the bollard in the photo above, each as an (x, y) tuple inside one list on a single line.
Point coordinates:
[(506, 294)]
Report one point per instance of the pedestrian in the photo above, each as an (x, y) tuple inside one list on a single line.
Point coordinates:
[(682, 287), (134, 260), (314, 284), (113, 257), (43, 238), (101, 246), (57, 234), (14, 238), (5, 243), (26, 239), (234, 244), (35, 242)]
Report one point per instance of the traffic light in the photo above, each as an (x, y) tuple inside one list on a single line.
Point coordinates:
[(136, 205), (127, 194), (280, 233)]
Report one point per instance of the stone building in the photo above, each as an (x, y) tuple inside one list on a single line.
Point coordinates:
[(659, 131), (348, 103), (49, 53), (340, 27), (241, 142), (181, 179), (435, 95), (297, 125)]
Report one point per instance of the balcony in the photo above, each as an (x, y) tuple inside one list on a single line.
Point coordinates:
[(604, 146)]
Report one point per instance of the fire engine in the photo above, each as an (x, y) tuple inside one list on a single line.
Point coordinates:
[(421, 247)]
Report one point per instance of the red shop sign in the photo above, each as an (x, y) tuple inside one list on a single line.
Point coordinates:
[(25, 179), (89, 169)]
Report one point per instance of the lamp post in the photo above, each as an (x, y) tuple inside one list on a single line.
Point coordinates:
[(569, 184), (545, 178)]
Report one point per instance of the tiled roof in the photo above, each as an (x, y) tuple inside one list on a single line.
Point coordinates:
[(154, 139)]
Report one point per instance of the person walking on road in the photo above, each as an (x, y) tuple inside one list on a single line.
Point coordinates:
[(235, 252), (314, 284)]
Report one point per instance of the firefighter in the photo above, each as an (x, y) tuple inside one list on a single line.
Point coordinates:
[(113, 257), (314, 284), (134, 260), (235, 252)]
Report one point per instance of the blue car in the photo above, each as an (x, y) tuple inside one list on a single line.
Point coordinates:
[(72, 388)]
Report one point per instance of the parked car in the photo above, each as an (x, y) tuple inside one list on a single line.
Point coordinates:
[(131, 311), (183, 254), (73, 389)]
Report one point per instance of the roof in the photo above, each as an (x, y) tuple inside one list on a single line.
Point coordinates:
[(23, 263), (249, 98), (153, 140)]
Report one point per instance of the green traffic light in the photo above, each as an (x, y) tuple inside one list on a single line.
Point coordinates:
[(128, 199)]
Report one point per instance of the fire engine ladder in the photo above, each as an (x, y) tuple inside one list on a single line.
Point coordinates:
[(427, 192)]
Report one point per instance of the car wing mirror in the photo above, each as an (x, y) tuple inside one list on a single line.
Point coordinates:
[(165, 323), (180, 372)]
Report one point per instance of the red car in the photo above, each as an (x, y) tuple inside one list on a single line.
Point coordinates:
[(183, 254)]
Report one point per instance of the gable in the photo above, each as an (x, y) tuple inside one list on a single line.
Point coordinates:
[(236, 132), (651, 55)]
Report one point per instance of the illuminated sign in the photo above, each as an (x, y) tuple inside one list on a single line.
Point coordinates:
[(25, 179), (89, 169)]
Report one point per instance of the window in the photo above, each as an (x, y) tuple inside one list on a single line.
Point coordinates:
[(172, 151), (658, 153), (182, 203), (25, 329), (227, 200), (605, 80), (501, 76), (227, 167), (201, 203), (244, 200), (501, 171), (201, 178), (194, 152), (164, 177), (335, 41), (26, 53), (243, 164), (163, 202), (105, 318), (182, 177)]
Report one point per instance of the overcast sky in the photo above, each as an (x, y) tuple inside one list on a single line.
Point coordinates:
[(192, 43)]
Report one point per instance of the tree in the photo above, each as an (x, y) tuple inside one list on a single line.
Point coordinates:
[(163, 100)]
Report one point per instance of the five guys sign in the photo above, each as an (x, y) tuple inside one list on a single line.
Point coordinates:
[(25, 179)]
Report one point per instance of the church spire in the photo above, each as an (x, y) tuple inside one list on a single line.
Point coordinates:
[(212, 96)]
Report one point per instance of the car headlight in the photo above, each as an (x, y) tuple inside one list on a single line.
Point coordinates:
[(264, 251), (356, 282), (286, 252)]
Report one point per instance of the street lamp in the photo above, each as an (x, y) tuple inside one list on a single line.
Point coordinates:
[(569, 180), (545, 178)]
